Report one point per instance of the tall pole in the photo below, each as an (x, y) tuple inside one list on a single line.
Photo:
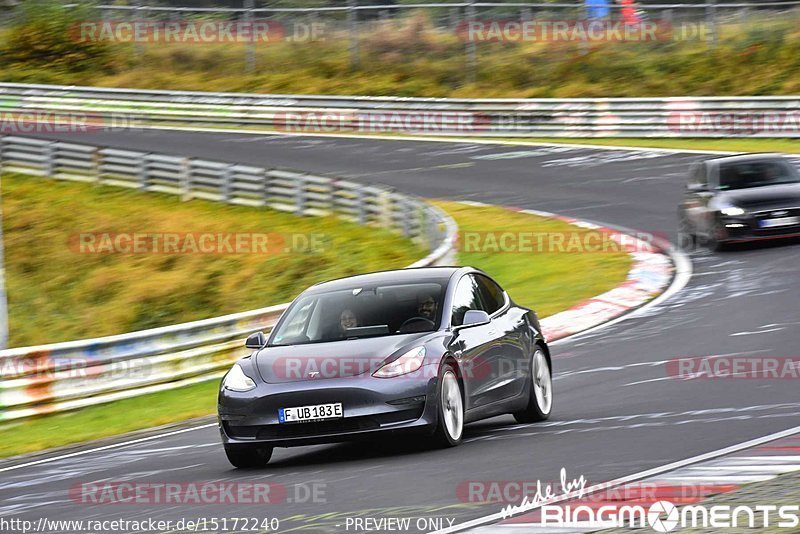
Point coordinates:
[(3, 299), (352, 17), (250, 46), (471, 51)]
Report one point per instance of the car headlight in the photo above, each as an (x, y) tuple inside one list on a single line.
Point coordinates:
[(407, 363), (732, 211), (236, 380)]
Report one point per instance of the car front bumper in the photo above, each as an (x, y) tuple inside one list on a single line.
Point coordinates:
[(748, 228), (371, 406)]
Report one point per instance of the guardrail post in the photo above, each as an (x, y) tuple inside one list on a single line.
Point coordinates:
[(408, 208), (227, 185), (332, 186), (185, 179), (386, 219), (97, 165), (361, 205), (300, 196), (352, 19), (432, 228), (265, 191), (142, 172), (50, 158)]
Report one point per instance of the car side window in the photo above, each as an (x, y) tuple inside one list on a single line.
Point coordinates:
[(466, 297), (491, 294)]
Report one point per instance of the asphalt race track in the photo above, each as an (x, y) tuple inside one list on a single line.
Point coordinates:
[(616, 410)]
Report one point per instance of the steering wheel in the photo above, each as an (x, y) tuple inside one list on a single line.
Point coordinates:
[(430, 323)]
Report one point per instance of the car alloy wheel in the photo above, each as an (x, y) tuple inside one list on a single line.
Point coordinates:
[(450, 424), (452, 406), (540, 398), (542, 382)]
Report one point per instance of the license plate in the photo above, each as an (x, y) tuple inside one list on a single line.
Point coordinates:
[(314, 412), (782, 221)]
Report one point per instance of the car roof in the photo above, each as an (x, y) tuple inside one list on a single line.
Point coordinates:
[(418, 275), (744, 158)]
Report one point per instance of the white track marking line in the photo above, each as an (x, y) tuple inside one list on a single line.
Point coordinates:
[(767, 458), (758, 469), (683, 274), (439, 140), (105, 447), (623, 480)]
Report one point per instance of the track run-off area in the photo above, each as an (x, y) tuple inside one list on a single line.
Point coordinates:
[(617, 409)]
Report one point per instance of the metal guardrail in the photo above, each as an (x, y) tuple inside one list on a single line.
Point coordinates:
[(64, 376), (101, 108)]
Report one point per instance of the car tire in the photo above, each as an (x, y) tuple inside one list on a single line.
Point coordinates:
[(540, 400), (450, 422), (248, 456)]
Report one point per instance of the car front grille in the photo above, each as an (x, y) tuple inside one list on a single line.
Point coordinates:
[(319, 428)]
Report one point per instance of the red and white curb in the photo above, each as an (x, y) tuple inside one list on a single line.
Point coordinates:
[(651, 274), (686, 485)]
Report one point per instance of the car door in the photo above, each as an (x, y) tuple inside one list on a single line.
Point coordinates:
[(474, 346), (510, 359)]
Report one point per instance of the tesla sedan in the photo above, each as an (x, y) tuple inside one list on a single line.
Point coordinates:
[(413, 350), (740, 198)]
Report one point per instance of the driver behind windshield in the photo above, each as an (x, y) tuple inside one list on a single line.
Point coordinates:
[(426, 305)]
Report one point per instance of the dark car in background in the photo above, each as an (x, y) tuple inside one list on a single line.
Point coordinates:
[(423, 350), (740, 198)]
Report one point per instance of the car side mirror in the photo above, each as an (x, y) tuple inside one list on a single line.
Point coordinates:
[(475, 318), (255, 341)]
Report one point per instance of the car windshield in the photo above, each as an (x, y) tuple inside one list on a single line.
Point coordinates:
[(756, 174), (360, 312)]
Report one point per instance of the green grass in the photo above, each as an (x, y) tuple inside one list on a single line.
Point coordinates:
[(547, 282), (413, 58), (56, 293), (118, 417)]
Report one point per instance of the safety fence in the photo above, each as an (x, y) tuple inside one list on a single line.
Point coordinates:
[(35, 108), (64, 376)]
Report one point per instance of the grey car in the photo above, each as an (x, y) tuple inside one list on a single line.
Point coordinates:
[(413, 350), (740, 198)]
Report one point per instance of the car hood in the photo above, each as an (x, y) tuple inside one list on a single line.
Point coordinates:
[(772, 196), (335, 359)]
